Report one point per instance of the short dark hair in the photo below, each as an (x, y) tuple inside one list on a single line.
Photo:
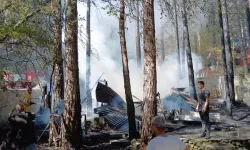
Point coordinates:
[(159, 122), (201, 82)]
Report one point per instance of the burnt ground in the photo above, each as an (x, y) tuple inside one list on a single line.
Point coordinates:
[(228, 128), (233, 128)]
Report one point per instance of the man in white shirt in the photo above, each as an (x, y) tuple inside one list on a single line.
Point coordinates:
[(162, 141)]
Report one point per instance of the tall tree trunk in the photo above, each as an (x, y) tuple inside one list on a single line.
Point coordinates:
[(57, 59), (224, 64), (138, 41), (71, 120), (183, 54), (248, 19), (198, 42), (2, 17), (88, 61), (240, 34), (246, 37), (150, 78), (127, 86), (162, 43), (228, 50), (195, 43), (188, 53), (213, 16), (177, 37)]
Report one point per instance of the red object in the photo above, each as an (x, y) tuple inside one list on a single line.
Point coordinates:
[(24, 80), (248, 58), (21, 81), (29, 76), (9, 76)]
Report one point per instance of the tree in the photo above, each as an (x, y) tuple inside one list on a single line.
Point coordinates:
[(71, 119), (18, 24), (183, 54), (195, 43), (162, 42), (188, 52), (150, 78), (88, 61), (224, 63), (177, 36), (57, 59), (25, 35), (138, 41), (212, 18), (228, 51), (241, 38), (248, 16), (127, 86)]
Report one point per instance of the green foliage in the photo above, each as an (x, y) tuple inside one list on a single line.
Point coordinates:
[(25, 34), (113, 8)]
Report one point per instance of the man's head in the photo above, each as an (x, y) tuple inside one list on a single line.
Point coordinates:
[(158, 124), (19, 108), (201, 84)]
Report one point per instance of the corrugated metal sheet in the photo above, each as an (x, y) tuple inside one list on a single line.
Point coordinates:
[(106, 95), (115, 109), (117, 121)]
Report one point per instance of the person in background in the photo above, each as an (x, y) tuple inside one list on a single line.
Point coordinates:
[(4, 83), (26, 102), (203, 109), (161, 140)]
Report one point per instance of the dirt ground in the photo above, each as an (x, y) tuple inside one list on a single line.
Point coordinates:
[(237, 127)]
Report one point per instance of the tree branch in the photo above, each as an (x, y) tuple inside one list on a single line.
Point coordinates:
[(20, 23)]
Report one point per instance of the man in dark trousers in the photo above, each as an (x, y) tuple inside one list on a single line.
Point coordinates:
[(203, 109)]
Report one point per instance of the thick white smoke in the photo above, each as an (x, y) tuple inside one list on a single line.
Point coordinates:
[(105, 42)]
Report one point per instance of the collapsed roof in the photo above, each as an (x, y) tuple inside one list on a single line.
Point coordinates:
[(105, 94), (114, 110), (178, 99)]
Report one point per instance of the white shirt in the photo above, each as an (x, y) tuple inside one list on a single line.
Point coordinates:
[(166, 143)]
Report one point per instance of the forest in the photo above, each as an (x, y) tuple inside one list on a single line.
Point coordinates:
[(145, 50)]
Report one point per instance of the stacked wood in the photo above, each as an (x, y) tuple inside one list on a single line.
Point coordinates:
[(54, 136)]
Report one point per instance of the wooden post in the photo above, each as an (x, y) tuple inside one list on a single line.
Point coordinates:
[(53, 135), (50, 132)]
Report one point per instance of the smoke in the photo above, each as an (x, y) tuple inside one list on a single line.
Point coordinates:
[(175, 101), (106, 43), (42, 116)]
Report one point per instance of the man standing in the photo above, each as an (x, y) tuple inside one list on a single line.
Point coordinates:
[(203, 109), (161, 141)]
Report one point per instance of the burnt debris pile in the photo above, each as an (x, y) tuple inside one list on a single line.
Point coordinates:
[(20, 132), (113, 108)]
